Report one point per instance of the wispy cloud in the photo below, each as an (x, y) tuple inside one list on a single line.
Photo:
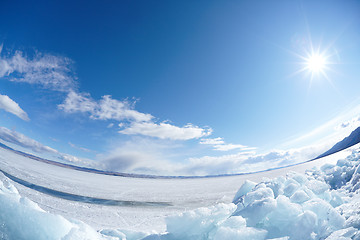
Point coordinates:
[(24, 141), (212, 141), (79, 148), (48, 71), (11, 106), (106, 108), (165, 130), (219, 144)]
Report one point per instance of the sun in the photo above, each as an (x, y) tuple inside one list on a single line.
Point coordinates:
[(316, 63)]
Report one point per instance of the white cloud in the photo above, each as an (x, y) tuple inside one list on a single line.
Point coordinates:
[(78, 102), (24, 141), (104, 109), (166, 131), (212, 141), (49, 71), (220, 145), (11, 106), (140, 123)]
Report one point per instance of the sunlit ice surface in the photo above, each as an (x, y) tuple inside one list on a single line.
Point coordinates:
[(320, 203)]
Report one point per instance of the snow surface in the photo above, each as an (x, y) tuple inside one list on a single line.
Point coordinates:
[(182, 194), (322, 203)]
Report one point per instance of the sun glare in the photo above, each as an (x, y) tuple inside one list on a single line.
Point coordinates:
[(316, 63)]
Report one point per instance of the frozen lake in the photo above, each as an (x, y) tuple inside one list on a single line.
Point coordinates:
[(148, 200)]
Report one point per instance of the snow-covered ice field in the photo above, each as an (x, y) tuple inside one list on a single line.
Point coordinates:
[(287, 203)]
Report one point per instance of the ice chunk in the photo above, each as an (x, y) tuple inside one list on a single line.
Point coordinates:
[(343, 234), (328, 219), (155, 237), (5, 186), (336, 198), (257, 210), (34, 224), (355, 180), (198, 223), (235, 228), (245, 233), (305, 226), (276, 185), (318, 187), (281, 221), (291, 187), (234, 222), (244, 189), (258, 194), (21, 218), (300, 178), (299, 196), (327, 167)]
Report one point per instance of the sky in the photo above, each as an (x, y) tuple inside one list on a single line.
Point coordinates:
[(179, 87)]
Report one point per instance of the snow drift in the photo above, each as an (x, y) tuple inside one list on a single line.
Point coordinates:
[(324, 203)]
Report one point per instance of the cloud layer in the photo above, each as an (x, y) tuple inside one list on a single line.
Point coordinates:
[(133, 158), (11, 106), (244, 162)]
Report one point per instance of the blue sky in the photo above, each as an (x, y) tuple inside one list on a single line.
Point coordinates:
[(171, 87)]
